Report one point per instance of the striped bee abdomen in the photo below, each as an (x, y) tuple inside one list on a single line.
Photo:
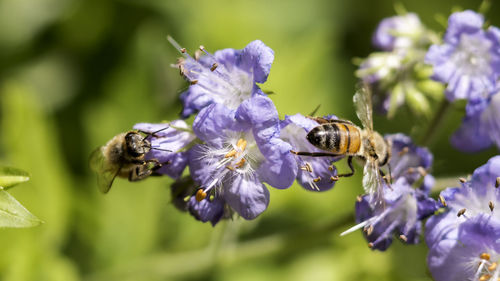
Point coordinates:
[(336, 137)]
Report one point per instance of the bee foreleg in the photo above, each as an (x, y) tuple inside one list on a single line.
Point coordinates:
[(139, 173), (314, 154), (387, 180)]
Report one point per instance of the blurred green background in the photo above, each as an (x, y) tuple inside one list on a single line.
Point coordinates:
[(74, 73)]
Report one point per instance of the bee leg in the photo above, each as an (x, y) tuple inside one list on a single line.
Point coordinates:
[(320, 120), (139, 173), (349, 162), (314, 154)]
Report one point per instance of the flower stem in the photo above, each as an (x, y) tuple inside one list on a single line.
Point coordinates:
[(436, 123)]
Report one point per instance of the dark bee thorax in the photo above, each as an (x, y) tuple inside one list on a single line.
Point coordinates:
[(336, 137)]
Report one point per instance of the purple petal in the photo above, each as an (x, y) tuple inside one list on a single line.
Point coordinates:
[(280, 168), (247, 196), (463, 22), (206, 210), (258, 58), (211, 123), (471, 136)]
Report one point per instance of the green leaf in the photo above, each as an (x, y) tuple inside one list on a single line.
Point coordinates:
[(11, 176), (13, 214)]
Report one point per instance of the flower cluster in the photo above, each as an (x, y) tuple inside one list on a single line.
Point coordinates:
[(397, 73), (464, 239), (237, 141), (406, 202)]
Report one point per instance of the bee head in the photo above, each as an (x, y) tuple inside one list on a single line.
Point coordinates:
[(136, 145)]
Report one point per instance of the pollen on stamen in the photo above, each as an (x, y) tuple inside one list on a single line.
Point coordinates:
[(403, 237), (493, 266), (307, 167), (461, 212), (193, 82), (462, 180), (497, 183), (183, 50), (359, 198), (200, 195), (240, 163), (242, 144), (370, 245), (197, 55), (334, 178), (404, 151), (231, 153), (491, 205), (485, 256), (368, 229), (214, 66), (422, 171), (317, 179), (485, 277), (443, 202)]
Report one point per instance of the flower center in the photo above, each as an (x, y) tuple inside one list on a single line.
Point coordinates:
[(472, 56), (487, 267), (237, 157)]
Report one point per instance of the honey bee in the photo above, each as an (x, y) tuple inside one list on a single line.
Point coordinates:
[(344, 138), (123, 156)]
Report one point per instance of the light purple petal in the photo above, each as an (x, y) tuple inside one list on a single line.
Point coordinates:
[(463, 22), (206, 210), (258, 58), (211, 123), (471, 136), (247, 196)]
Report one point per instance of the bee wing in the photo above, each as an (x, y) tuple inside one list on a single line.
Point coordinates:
[(363, 103), (372, 182), (106, 173)]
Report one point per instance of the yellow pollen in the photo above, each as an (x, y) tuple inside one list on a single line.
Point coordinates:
[(484, 256), (497, 183), (200, 195), (193, 82), (492, 206), (242, 144), (422, 171), (231, 153), (484, 277), (493, 266), (403, 237), (331, 167), (230, 168), (404, 151), (359, 198), (183, 50), (441, 199), (197, 54), (461, 212), (214, 66), (240, 163), (370, 245), (462, 180), (317, 179), (334, 178)]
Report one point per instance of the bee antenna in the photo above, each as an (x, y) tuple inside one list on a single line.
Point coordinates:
[(315, 110), (155, 148), (153, 133)]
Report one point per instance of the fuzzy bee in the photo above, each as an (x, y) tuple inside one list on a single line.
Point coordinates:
[(343, 138), (123, 156)]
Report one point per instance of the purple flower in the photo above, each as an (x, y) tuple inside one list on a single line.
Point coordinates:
[(404, 206), (480, 130), (398, 32), (474, 254), (168, 140), (380, 66), (228, 76), (473, 198), (469, 59), (242, 150), (314, 173)]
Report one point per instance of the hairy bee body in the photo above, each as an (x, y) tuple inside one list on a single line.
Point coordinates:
[(344, 138), (123, 156)]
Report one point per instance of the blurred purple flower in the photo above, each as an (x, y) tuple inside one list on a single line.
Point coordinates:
[(480, 130), (242, 150), (167, 145), (228, 76), (314, 173), (398, 32), (404, 206), (469, 59)]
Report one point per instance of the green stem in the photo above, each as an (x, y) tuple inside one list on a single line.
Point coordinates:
[(436, 123)]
